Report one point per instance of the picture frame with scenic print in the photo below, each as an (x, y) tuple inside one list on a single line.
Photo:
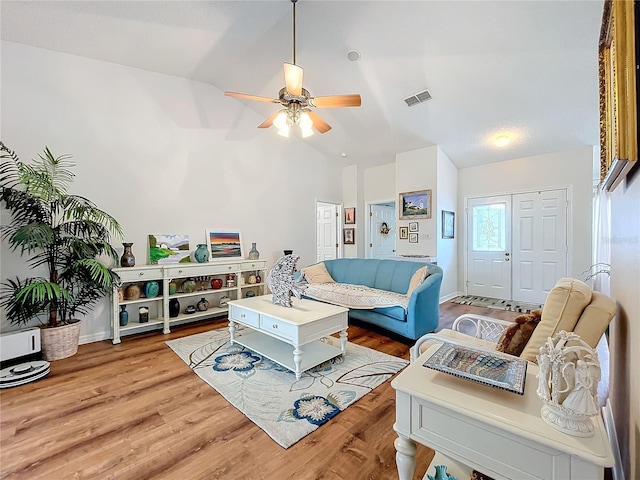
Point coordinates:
[(415, 205), (224, 244)]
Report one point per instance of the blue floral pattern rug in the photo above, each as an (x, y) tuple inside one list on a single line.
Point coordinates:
[(270, 396)]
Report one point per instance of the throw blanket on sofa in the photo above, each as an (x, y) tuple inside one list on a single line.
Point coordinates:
[(355, 296)]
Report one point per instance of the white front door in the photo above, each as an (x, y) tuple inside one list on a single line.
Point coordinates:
[(326, 231), (489, 247), (539, 256), (517, 245), (382, 245)]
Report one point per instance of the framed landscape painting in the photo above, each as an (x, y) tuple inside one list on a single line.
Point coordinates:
[(415, 205), (350, 215), (168, 248), (224, 244)]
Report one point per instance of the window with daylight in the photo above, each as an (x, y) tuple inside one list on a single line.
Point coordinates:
[(489, 233)]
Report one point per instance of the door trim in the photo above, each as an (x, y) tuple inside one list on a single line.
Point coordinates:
[(465, 256)]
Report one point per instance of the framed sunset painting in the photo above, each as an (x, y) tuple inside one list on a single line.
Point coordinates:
[(224, 244)]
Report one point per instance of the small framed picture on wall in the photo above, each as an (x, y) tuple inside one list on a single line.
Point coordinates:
[(403, 233), (413, 238), (413, 226), (448, 224), (350, 216), (349, 236)]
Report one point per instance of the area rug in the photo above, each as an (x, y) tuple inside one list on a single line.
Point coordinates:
[(270, 396), (498, 304)]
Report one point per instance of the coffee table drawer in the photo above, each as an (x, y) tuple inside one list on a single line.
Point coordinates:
[(277, 327), (246, 317)]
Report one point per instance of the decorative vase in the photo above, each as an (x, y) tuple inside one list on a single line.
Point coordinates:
[(201, 253), (132, 292), (124, 315), (441, 474), (151, 289), (252, 279), (143, 315), (174, 307), (202, 305), (173, 288), (231, 281), (189, 285), (250, 294), (254, 254), (258, 279), (127, 259), (216, 283)]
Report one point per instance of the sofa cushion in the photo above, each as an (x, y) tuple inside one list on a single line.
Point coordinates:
[(317, 274), (355, 296), (416, 279), (562, 309), (595, 319)]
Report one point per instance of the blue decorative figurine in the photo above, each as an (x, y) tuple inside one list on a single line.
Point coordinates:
[(441, 474)]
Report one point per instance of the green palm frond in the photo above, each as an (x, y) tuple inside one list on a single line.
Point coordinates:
[(63, 232)]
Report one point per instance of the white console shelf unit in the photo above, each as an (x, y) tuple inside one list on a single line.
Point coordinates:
[(202, 273)]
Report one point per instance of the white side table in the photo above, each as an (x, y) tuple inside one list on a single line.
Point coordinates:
[(498, 433)]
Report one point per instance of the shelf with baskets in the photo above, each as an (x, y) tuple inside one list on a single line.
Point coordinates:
[(180, 293)]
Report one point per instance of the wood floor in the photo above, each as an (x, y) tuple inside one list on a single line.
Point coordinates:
[(136, 411)]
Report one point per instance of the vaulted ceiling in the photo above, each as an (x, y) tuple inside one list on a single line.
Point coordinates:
[(527, 69)]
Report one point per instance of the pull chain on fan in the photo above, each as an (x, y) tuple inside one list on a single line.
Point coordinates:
[(297, 101)]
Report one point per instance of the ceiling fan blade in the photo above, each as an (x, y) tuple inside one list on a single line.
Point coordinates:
[(293, 79), (353, 100), (319, 124), (269, 121), (244, 96)]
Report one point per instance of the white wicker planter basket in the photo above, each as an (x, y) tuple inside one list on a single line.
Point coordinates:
[(60, 342)]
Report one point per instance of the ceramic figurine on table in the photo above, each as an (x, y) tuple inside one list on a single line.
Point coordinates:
[(281, 283), (567, 383)]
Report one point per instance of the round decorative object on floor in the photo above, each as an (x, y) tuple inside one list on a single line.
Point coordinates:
[(23, 373)]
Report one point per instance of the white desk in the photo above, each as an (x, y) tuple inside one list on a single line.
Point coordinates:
[(497, 432)]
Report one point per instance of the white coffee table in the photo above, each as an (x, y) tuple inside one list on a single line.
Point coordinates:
[(290, 336)]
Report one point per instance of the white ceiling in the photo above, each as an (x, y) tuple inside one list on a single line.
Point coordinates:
[(525, 68)]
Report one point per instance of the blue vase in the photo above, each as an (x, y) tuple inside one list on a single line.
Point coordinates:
[(201, 253), (124, 315), (151, 289)]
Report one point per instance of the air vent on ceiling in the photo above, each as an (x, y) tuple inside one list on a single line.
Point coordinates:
[(420, 97)]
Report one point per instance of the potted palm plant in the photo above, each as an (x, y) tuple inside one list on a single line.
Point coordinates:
[(62, 234)]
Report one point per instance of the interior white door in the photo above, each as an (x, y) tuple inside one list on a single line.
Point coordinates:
[(326, 231), (382, 245), (539, 250), (489, 247)]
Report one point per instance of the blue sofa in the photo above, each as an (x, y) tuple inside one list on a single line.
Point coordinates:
[(423, 311)]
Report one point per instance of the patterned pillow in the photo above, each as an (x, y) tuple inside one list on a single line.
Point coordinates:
[(417, 279), (317, 274)]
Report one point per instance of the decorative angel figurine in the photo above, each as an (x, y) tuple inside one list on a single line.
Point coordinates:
[(281, 283), (567, 383)]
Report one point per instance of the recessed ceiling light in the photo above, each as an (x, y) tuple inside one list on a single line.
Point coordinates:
[(343, 155), (353, 55), (502, 141)]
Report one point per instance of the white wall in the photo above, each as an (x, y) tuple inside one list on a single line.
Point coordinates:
[(625, 328), (417, 170), (380, 184), (447, 199), (350, 199), (561, 169), (162, 155)]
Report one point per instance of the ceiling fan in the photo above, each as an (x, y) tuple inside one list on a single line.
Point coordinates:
[(297, 101)]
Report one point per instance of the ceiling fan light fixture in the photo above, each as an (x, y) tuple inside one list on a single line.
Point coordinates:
[(305, 124)]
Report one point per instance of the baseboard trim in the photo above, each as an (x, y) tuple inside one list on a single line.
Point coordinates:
[(607, 416), (451, 296)]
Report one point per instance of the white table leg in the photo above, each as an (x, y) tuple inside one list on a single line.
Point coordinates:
[(232, 331), (297, 359), (343, 341), (405, 457)]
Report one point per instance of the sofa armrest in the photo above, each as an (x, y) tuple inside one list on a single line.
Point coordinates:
[(423, 311), (480, 326)]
